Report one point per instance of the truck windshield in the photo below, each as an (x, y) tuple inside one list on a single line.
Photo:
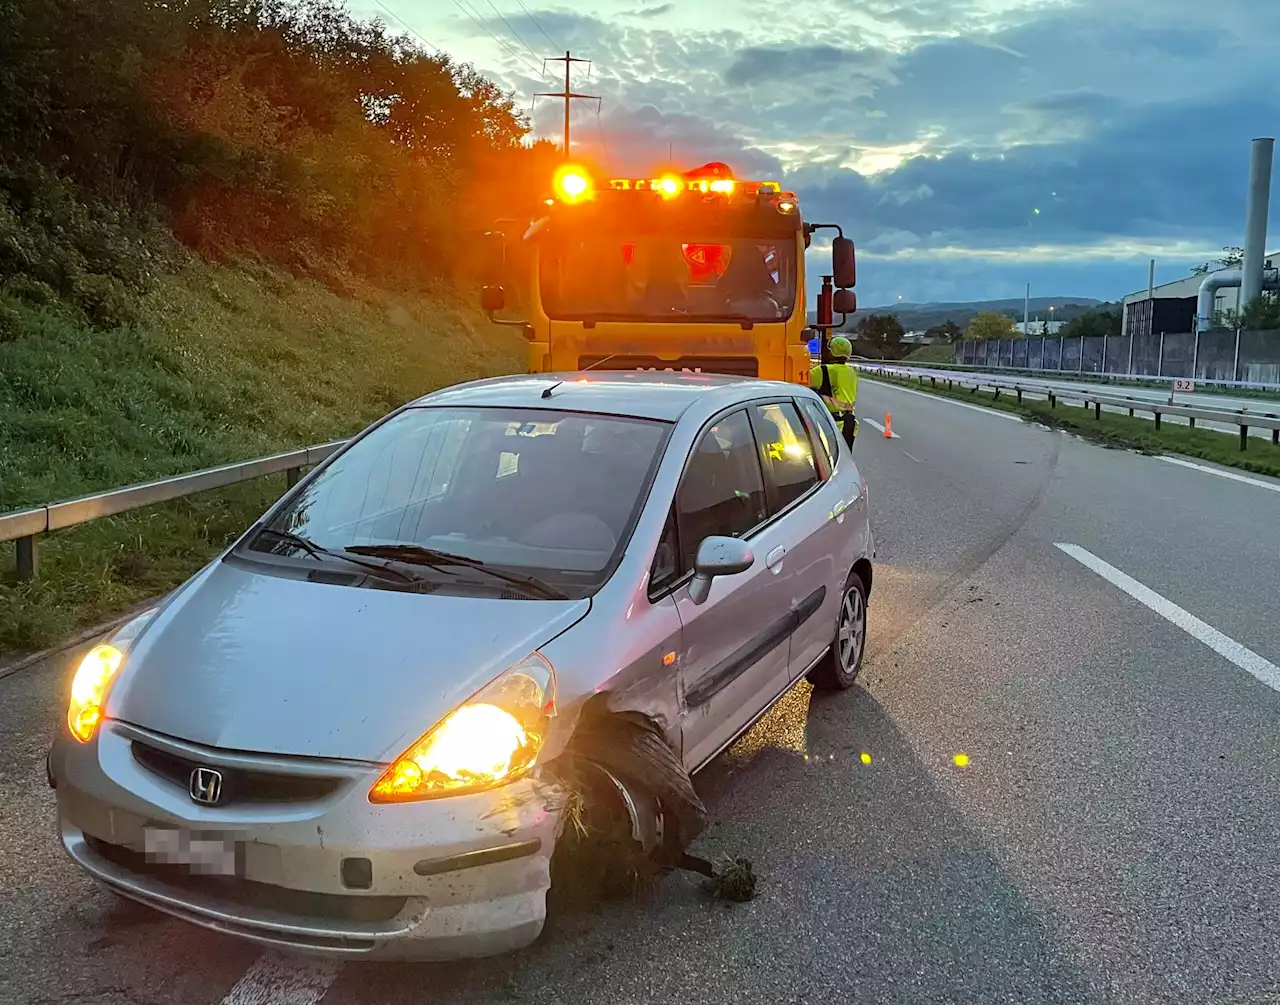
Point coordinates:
[(611, 276)]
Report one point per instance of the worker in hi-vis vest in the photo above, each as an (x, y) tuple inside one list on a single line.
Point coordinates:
[(838, 384)]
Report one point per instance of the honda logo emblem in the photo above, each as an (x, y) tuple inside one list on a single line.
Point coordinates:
[(206, 786)]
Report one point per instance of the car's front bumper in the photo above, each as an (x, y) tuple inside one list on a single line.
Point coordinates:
[(445, 879)]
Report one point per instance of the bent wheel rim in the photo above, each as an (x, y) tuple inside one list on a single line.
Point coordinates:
[(853, 630)]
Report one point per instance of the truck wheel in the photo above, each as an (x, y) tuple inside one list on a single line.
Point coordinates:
[(839, 668)]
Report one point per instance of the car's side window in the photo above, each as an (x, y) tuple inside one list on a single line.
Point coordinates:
[(820, 419), (787, 453), (722, 491)]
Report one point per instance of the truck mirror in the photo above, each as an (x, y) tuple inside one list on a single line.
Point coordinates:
[(492, 299), (844, 302), (844, 267)]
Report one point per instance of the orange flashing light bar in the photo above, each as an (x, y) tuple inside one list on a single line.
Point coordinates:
[(670, 185)]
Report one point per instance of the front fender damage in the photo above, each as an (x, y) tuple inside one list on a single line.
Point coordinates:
[(628, 812)]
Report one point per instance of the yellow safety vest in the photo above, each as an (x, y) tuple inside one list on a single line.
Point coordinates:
[(842, 386)]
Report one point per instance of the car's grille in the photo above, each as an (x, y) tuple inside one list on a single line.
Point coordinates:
[(248, 894), (737, 366), (238, 785)]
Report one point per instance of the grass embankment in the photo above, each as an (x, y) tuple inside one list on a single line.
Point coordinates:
[(224, 363), (1120, 431), (943, 353)]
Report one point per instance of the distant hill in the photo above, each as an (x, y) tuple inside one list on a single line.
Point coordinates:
[(919, 317)]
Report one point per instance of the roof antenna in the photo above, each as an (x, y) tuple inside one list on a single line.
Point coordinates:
[(546, 392)]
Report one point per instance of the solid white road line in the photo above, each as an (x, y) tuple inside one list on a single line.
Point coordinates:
[(276, 979), (1228, 648), (949, 401), (1273, 486), (875, 425)]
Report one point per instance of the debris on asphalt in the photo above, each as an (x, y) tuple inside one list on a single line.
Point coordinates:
[(734, 881)]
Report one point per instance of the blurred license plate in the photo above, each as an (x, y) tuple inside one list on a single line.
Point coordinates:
[(203, 854)]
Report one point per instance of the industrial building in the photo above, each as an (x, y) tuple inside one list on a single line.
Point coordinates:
[(1171, 307)]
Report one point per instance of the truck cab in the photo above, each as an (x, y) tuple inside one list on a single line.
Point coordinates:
[(698, 272)]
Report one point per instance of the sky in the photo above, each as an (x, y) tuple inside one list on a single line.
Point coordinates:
[(967, 146)]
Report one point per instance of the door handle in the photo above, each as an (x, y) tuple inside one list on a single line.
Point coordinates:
[(774, 559)]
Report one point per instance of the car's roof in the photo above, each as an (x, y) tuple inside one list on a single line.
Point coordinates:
[(644, 394)]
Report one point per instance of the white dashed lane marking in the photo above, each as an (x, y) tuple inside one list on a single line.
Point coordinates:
[(277, 979), (1228, 648)]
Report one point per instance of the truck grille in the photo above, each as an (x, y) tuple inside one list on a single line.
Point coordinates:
[(736, 366)]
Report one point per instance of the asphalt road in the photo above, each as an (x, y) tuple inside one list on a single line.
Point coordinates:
[(1219, 402), (1114, 836)]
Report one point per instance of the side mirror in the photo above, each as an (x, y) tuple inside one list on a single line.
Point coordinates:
[(844, 302), (844, 267), (718, 556), (492, 299)]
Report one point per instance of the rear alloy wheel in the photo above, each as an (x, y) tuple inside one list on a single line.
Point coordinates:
[(839, 668)]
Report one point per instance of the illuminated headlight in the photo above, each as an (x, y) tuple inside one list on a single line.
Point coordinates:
[(89, 690), (491, 739), (93, 679)]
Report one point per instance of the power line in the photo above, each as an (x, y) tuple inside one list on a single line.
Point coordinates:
[(537, 24), (408, 27), (604, 139), (567, 95), (512, 29), (474, 16)]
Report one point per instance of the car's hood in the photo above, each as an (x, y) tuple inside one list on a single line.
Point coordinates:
[(246, 660)]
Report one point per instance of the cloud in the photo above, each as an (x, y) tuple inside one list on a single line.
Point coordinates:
[(777, 63), (650, 12), (961, 141)]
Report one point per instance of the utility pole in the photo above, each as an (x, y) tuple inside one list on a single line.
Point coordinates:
[(1026, 313), (567, 95)]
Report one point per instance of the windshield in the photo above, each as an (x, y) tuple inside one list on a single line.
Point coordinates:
[(499, 492), (608, 275)]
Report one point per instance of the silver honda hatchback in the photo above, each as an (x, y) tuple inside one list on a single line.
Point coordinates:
[(359, 732)]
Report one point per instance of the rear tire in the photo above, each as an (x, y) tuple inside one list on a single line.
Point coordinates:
[(839, 668)]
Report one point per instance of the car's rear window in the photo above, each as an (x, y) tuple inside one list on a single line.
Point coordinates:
[(536, 492)]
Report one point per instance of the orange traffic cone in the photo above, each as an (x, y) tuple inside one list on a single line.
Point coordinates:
[(888, 426)]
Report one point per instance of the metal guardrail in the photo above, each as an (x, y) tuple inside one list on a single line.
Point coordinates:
[(1245, 418), (26, 527)]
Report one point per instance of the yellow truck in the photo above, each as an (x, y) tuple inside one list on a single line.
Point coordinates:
[(697, 271)]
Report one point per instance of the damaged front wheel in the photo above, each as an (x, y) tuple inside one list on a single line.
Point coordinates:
[(631, 810)]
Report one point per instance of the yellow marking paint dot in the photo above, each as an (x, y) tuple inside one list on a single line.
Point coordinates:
[(866, 758), (961, 760)]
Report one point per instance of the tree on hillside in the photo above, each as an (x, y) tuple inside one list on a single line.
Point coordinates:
[(948, 331), (1232, 258), (286, 129), (1092, 324), (881, 335), (989, 325)]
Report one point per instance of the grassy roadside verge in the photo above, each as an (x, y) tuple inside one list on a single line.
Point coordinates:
[(1118, 431), (224, 363)]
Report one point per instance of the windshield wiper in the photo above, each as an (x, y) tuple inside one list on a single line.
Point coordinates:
[(320, 552), (413, 554)]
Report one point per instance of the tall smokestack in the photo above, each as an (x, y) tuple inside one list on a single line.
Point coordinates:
[(1255, 224)]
